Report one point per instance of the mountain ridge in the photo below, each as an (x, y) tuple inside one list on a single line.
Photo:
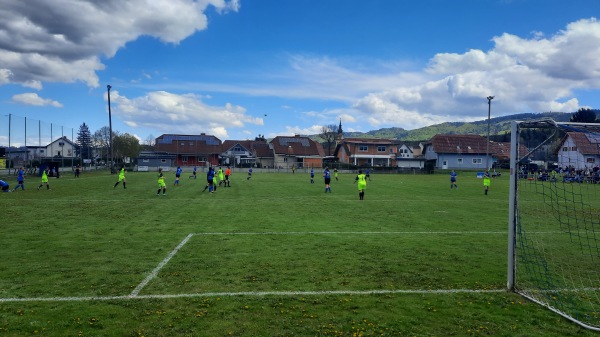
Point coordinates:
[(498, 125)]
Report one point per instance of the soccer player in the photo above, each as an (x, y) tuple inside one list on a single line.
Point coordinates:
[(368, 174), (335, 174), (327, 176), (44, 179), (4, 186), (177, 175), (161, 183), (77, 171), (221, 175), (249, 173), (227, 174), (193, 173), (210, 175), (453, 180), (121, 178), (312, 176), (216, 181), (361, 179), (20, 179), (486, 182)]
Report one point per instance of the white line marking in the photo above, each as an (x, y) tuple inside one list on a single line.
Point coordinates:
[(254, 294), (153, 274), (351, 233)]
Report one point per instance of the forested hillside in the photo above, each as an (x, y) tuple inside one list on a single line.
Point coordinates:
[(498, 126)]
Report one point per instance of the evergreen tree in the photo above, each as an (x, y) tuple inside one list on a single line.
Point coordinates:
[(84, 141), (584, 116)]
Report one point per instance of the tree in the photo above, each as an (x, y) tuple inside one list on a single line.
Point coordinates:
[(329, 134), (84, 141), (101, 142), (125, 145), (584, 116)]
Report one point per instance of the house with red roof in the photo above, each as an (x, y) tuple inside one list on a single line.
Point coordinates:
[(579, 150), (452, 152), (190, 150), (366, 152), (297, 151)]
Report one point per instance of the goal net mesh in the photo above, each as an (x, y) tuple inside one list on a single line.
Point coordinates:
[(557, 218)]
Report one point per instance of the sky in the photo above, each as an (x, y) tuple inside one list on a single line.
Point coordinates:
[(237, 69)]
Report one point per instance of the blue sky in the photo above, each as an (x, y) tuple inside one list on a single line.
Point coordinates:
[(240, 68)]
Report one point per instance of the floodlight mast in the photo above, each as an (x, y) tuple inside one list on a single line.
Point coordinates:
[(487, 151), (110, 141)]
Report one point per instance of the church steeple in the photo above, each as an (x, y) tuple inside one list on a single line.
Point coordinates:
[(340, 133)]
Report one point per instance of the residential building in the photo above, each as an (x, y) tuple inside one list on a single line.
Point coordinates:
[(243, 152), (366, 152), (452, 152), (297, 151), (410, 155), (579, 150), (190, 150)]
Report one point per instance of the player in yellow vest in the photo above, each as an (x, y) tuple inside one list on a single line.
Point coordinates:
[(161, 183), (121, 178), (44, 179), (361, 179), (486, 182)]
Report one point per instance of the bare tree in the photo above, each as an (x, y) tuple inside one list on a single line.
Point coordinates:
[(101, 142), (150, 140), (329, 134)]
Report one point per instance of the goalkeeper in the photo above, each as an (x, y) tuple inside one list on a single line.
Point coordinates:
[(361, 179)]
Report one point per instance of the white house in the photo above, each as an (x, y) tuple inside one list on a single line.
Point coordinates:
[(410, 155), (62, 147), (579, 150)]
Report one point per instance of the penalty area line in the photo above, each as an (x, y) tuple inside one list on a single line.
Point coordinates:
[(156, 270), (258, 294)]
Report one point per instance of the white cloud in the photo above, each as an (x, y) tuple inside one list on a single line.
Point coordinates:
[(62, 40), (525, 75), (33, 99), (185, 114)]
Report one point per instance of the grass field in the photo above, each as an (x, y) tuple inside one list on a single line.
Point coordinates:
[(273, 256)]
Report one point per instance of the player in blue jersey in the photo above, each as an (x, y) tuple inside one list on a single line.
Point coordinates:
[(327, 176), (177, 175), (210, 176), (20, 179), (4, 186), (193, 173), (249, 173), (453, 180), (312, 176)]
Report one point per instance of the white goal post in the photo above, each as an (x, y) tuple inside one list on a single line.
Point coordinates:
[(554, 217)]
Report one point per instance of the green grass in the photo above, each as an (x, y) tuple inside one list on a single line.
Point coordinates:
[(274, 256)]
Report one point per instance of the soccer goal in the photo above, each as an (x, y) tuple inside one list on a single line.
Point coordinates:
[(554, 217)]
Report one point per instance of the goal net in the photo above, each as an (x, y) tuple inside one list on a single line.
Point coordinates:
[(554, 217)]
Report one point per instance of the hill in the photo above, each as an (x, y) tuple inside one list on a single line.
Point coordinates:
[(498, 125)]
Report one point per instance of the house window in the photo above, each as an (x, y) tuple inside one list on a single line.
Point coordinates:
[(145, 160), (238, 149), (391, 150), (565, 149), (381, 148), (163, 161), (574, 148), (201, 159), (591, 160), (363, 148), (459, 160), (184, 158), (476, 160), (191, 143)]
